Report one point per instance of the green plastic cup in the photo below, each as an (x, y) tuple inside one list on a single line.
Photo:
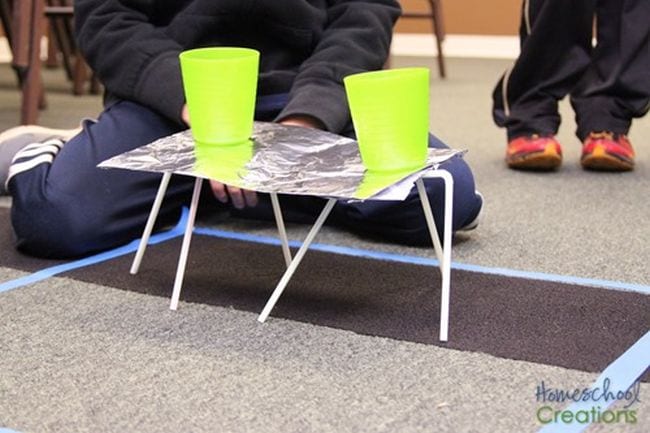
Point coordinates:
[(376, 181), (390, 113), (220, 87), (226, 164)]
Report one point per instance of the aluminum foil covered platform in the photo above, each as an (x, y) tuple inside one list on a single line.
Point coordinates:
[(282, 159)]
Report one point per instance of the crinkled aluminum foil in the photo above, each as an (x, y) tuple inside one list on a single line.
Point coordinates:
[(282, 159)]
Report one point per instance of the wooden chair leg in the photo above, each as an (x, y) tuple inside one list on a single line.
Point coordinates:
[(437, 22), (388, 61), (5, 20), (80, 76), (33, 97), (52, 60), (63, 42), (439, 32), (42, 100), (28, 18), (60, 14), (95, 85)]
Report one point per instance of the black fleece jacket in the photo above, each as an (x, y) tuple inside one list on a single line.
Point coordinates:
[(307, 47)]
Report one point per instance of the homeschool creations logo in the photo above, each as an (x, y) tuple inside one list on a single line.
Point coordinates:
[(593, 404)]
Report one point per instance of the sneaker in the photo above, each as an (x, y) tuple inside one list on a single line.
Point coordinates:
[(16, 139), (606, 151), (534, 153)]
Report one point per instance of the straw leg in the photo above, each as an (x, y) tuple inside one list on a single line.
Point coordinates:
[(277, 212), (162, 189), (296, 261), (431, 223), (446, 269), (444, 256), (185, 247)]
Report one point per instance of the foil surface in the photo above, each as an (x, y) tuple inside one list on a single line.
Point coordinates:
[(282, 159)]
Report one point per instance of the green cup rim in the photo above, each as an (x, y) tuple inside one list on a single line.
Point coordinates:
[(224, 53), (386, 74)]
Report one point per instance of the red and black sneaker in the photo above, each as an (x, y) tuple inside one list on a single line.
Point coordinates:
[(606, 151), (534, 153)]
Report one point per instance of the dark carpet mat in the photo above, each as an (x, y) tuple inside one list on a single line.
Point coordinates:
[(577, 327), (557, 324)]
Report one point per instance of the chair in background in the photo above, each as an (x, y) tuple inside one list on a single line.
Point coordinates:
[(24, 22), (26, 32), (60, 15), (5, 18), (435, 15), (60, 36)]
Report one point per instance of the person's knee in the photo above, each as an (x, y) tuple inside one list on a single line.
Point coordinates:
[(404, 221), (68, 208), (126, 125), (466, 202)]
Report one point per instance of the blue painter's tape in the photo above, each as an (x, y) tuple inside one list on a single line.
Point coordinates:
[(370, 254), (98, 258), (555, 278), (6, 430), (620, 375), (425, 261)]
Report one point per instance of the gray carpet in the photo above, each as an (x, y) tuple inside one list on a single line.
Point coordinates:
[(79, 357), (86, 358)]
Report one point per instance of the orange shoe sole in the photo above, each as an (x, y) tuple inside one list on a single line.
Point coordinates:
[(547, 160), (600, 160)]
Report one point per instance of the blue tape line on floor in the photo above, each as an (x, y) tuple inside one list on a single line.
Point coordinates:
[(620, 375), (6, 430), (416, 260), (101, 257)]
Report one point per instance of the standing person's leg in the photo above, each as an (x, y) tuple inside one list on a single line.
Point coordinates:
[(616, 87), (65, 206), (555, 49)]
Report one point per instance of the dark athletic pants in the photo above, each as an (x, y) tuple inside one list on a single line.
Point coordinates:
[(609, 84), (71, 208)]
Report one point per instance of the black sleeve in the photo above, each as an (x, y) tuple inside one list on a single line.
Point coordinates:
[(136, 60), (356, 38), (133, 58)]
